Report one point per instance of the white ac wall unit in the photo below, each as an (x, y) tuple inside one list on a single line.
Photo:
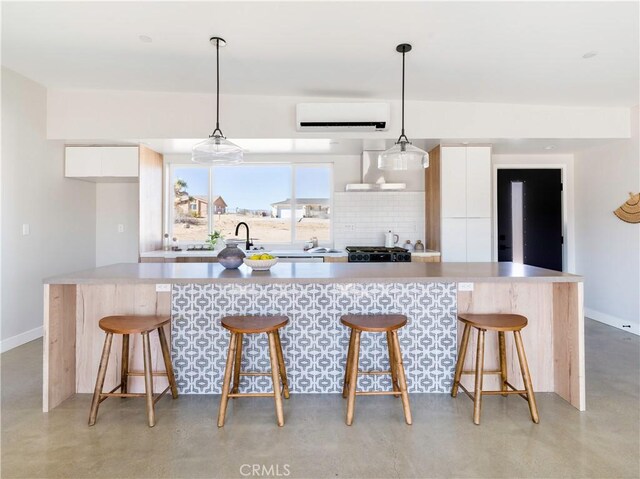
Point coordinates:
[(342, 116)]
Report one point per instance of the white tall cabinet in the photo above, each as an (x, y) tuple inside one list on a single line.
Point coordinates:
[(458, 197)]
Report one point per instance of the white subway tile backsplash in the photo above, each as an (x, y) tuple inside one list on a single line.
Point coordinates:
[(361, 219)]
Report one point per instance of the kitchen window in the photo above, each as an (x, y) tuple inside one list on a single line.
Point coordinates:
[(189, 224), (283, 204)]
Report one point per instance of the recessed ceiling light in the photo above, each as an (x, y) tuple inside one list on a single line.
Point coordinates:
[(145, 39), (549, 147), (589, 55)]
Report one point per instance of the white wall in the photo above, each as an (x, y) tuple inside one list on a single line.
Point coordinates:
[(608, 249), (565, 161), (59, 211), (362, 219), (99, 114), (116, 204)]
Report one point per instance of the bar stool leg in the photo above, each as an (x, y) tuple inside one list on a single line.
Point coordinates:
[(124, 365), (477, 396), (392, 364), (281, 367), (460, 363), (102, 371), (148, 379), (526, 377), (166, 354), (238, 364), (353, 377), (347, 366), (273, 355), (224, 398), (503, 362), (402, 379)]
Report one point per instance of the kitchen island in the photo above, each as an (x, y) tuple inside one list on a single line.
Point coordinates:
[(314, 295)]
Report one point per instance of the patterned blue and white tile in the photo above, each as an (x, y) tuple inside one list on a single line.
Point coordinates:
[(314, 342)]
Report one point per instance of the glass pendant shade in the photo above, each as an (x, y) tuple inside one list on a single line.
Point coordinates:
[(403, 156), (217, 150)]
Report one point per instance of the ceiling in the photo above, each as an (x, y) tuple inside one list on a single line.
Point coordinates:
[(508, 52)]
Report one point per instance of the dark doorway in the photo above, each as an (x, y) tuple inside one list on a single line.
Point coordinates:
[(530, 217)]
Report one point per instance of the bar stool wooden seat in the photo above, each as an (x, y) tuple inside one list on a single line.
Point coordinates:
[(127, 325), (501, 323), (239, 326), (378, 323)]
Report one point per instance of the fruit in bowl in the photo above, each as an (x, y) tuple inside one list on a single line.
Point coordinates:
[(260, 261)]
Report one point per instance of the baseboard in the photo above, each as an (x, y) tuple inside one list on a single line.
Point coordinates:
[(20, 339), (612, 321)]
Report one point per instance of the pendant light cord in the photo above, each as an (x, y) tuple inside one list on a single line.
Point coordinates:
[(218, 85), (402, 133), (218, 130), (402, 139)]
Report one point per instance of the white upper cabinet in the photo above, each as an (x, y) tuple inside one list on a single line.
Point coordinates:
[(102, 163), (78, 162), (466, 181), (478, 196), (454, 181), (119, 161)]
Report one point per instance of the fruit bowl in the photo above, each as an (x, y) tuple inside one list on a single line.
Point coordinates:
[(260, 264)]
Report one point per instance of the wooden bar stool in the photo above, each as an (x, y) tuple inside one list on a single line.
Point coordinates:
[(239, 326), (501, 323), (378, 323), (127, 325)]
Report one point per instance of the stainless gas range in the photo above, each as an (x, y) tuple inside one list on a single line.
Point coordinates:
[(378, 254)]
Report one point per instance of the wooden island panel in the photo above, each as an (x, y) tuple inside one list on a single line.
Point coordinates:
[(552, 301), (59, 344), (73, 340), (553, 338), (97, 301), (533, 301)]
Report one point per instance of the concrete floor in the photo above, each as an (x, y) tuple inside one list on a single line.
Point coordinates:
[(443, 442)]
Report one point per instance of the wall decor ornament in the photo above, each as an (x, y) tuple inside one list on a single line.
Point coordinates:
[(629, 211)]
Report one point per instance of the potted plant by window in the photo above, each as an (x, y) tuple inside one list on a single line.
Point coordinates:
[(216, 240)]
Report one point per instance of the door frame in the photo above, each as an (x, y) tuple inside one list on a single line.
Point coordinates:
[(567, 245)]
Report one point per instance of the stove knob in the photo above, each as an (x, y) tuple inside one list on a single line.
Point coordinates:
[(366, 257), (359, 257)]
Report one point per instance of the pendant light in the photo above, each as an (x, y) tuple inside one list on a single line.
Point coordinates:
[(217, 150), (403, 155)]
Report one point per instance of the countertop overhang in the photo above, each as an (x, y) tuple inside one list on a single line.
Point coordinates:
[(288, 273)]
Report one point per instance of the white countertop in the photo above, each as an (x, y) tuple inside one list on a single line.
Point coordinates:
[(279, 253), (134, 273)]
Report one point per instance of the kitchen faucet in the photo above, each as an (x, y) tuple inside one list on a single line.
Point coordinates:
[(248, 243)]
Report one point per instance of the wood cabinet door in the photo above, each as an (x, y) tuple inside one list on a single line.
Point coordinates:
[(453, 177)]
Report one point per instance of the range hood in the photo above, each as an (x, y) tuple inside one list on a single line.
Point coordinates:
[(372, 177)]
